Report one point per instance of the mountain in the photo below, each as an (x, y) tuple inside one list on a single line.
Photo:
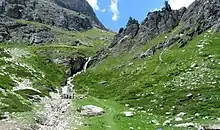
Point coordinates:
[(42, 44), (196, 19), (72, 15), (162, 73)]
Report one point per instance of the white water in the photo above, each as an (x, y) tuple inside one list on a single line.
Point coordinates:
[(57, 114), (68, 89)]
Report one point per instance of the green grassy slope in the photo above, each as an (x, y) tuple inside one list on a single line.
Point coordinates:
[(172, 81), (27, 66)]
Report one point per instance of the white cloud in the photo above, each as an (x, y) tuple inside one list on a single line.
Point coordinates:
[(177, 4), (103, 10), (95, 6), (114, 10)]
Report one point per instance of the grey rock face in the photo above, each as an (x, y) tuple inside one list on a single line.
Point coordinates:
[(156, 23), (129, 32), (4, 34), (18, 32), (200, 16), (75, 15), (147, 53), (76, 65), (81, 6)]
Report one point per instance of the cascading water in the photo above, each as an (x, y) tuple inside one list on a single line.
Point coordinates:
[(68, 89), (57, 113)]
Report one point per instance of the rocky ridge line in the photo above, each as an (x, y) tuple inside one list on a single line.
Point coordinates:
[(200, 16)]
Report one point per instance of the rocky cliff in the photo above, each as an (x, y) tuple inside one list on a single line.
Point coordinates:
[(188, 22), (73, 15), (165, 71)]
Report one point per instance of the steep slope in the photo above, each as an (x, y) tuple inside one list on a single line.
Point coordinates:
[(42, 44), (70, 15), (36, 59), (73, 15), (168, 79), (81, 6), (197, 18), (29, 73)]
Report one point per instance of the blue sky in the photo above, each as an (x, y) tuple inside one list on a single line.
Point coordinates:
[(115, 13)]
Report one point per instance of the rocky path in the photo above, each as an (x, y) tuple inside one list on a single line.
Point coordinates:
[(56, 114)]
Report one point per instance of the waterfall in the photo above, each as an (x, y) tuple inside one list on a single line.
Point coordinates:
[(67, 90), (86, 64)]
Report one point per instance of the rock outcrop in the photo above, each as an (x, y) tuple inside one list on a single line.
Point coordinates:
[(16, 15), (75, 15), (200, 16), (81, 6), (159, 22), (19, 32), (156, 23)]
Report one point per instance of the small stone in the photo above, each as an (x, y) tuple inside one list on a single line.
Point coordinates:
[(131, 109), (178, 119), (157, 123), (154, 121), (190, 95), (197, 114), (181, 114), (168, 113), (102, 82), (193, 65), (127, 105), (185, 125), (128, 113), (139, 108), (167, 122)]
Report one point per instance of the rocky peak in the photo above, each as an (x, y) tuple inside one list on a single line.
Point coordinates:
[(81, 6), (200, 16), (155, 24), (74, 15), (167, 7)]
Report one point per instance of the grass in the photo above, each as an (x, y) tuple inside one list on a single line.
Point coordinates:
[(92, 40), (161, 86), (38, 66), (113, 119)]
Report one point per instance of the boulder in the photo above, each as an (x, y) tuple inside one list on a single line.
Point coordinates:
[(91, 110), (147, 53)]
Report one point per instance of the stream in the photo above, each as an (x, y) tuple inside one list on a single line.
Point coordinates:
[(56, 114)]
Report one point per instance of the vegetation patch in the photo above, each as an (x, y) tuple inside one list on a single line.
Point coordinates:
[(170, 82)]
